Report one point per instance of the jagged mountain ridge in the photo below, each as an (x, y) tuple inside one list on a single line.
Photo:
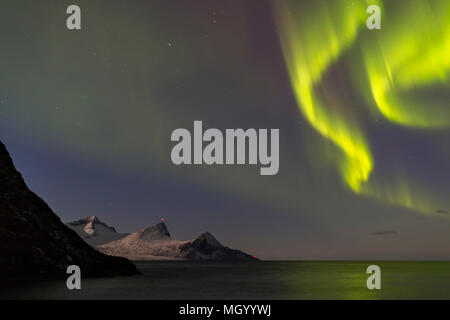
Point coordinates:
[(155, 243), (89, 223), (33, 240), (94, 231)]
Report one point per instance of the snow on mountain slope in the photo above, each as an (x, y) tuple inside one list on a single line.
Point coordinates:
[(94, 231), (155, 243)]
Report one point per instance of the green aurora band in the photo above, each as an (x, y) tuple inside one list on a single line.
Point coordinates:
[(410, 53)]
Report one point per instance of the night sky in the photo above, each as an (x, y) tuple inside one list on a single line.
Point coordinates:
[(364, 119)]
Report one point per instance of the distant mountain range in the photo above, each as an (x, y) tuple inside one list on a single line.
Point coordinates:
[(153, 243)]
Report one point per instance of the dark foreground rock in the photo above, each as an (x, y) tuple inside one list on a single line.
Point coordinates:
[(34, 243)]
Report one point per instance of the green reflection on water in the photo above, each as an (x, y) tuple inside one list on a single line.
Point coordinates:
[(263, 280)]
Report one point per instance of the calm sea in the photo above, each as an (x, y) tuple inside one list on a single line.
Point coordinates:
[(260, 280)]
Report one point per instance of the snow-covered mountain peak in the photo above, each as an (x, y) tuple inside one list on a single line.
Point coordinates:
[(94, 231), (156, 232), (94, 219)]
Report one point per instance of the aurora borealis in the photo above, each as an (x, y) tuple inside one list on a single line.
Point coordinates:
[(401, 57), (364, 119)]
